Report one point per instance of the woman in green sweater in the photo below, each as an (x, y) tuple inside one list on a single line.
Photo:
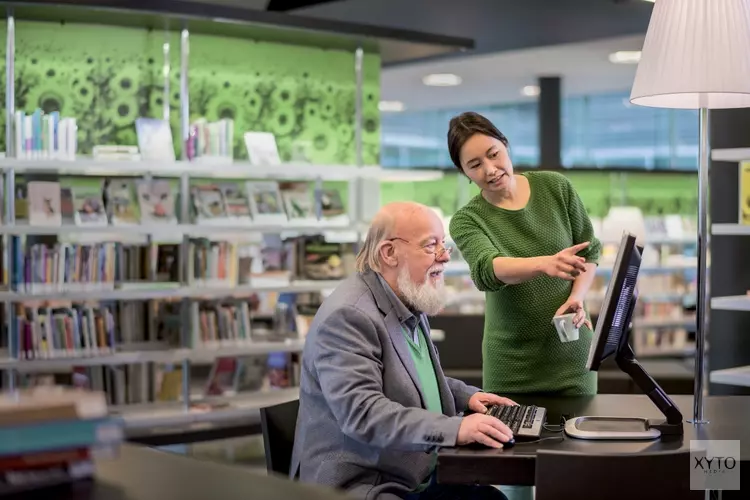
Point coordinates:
[(531, 247)]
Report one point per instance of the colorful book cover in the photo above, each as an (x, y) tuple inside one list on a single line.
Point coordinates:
[(238, 206), (156, 200), (121, 204), (155, 139), (265, 202), (44, 203), (745, 193), (262, 148), (208, 202), (88, 202), (298, 202)]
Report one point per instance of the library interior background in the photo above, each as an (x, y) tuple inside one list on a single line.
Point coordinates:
[(179, 276)]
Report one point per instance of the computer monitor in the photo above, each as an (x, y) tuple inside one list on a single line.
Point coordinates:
[(611, 338)]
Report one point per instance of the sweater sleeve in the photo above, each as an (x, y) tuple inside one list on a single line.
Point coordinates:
[(581, 226), (478, 251)]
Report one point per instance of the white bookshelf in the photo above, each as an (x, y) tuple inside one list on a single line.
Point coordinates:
[(730, 229), (350, 228), (241, 406), (731, 303), (739, 376), (730, 154)]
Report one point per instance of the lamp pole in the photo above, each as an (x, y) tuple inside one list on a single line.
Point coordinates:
[(703, 305)]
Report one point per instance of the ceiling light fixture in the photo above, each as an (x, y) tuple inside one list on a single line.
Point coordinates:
[(442, 80), (625, 57), (391, 106), (530, 90)]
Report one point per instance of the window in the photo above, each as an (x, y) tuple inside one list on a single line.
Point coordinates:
[(418, 138), (605, 130), (600, 130)]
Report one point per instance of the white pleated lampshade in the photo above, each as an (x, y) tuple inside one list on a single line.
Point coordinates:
[(696, 55)]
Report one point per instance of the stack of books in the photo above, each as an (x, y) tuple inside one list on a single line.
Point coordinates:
[(51, 435)]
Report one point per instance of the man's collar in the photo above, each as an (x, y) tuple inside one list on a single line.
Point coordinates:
[(405, 315)]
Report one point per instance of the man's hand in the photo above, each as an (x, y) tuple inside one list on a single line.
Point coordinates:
[(480, 400), (574, 306), (480, 428)]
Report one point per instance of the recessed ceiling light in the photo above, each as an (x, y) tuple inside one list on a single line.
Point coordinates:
[(625, 57), (530, 90), (391, 106), (442, 80)]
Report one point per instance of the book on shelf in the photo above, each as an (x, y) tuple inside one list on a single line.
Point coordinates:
[(744, 195), (213, 263), (237, 204), (43, 268), (44, 203), (40, 135), (211, 140), (262, 148), (299, 203), (155, 139), (62, 330), (122, 208), (156, 201), (266, 204), (88, 202)]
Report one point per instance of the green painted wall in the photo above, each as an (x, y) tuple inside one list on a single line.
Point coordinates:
[(108, 76)]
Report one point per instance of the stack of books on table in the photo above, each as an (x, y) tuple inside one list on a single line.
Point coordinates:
[(51, 435)]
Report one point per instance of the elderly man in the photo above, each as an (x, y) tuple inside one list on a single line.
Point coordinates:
[(374, 402)]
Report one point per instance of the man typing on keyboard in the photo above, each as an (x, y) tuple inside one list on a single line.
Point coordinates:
[(375, 404)]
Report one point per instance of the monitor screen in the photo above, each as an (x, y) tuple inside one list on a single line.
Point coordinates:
[(616, 311)]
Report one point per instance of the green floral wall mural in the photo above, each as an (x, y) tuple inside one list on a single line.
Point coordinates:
[(107, 77)]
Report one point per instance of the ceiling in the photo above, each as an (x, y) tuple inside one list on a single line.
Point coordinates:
[(496, 25), (499, 77)]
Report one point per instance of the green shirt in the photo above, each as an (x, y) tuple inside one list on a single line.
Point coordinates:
[(520, 349), (427, 378), (423, 363)]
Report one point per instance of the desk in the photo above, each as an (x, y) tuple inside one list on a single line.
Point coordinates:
[(146, 474), (728, 416)]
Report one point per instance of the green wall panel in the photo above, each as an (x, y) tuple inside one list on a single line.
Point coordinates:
[(299, 94), (107, 77)]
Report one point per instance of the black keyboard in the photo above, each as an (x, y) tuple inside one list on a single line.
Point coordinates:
[(526, 421)]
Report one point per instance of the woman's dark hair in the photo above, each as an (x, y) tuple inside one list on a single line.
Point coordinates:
[(463, 127)]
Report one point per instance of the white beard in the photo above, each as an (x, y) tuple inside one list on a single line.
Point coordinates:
[(428, 297)]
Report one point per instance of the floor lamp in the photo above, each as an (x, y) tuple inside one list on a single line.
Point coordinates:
[(697, 56)]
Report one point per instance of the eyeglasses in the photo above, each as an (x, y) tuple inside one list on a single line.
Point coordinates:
[(436, 249)]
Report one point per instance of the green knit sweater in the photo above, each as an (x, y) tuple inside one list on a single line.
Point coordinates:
[(521, 350)]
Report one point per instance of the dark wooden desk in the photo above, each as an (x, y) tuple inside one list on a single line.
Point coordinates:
[(729, 418), (147, 474)]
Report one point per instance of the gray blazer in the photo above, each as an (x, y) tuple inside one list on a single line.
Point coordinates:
[(362, 423)]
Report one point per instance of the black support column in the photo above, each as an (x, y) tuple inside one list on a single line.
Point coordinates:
[(728, 336), (550, 129)]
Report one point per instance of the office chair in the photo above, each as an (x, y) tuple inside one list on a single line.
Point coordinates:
[(278, 424), (642, 476)]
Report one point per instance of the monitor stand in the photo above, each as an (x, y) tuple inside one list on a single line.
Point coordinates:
[(631, 428)]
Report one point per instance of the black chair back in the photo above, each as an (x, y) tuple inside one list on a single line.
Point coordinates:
[(646, 476), (279, 423)]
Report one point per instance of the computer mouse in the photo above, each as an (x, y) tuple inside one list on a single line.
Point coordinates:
[(509, 444)]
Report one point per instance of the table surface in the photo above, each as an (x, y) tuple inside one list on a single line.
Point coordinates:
[(141, 473), (728, 417)]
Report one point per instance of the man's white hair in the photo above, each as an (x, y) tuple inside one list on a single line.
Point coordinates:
[(382, 227)]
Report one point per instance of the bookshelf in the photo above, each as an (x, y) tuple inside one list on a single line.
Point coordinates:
[(141, 349), (734, 376)]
